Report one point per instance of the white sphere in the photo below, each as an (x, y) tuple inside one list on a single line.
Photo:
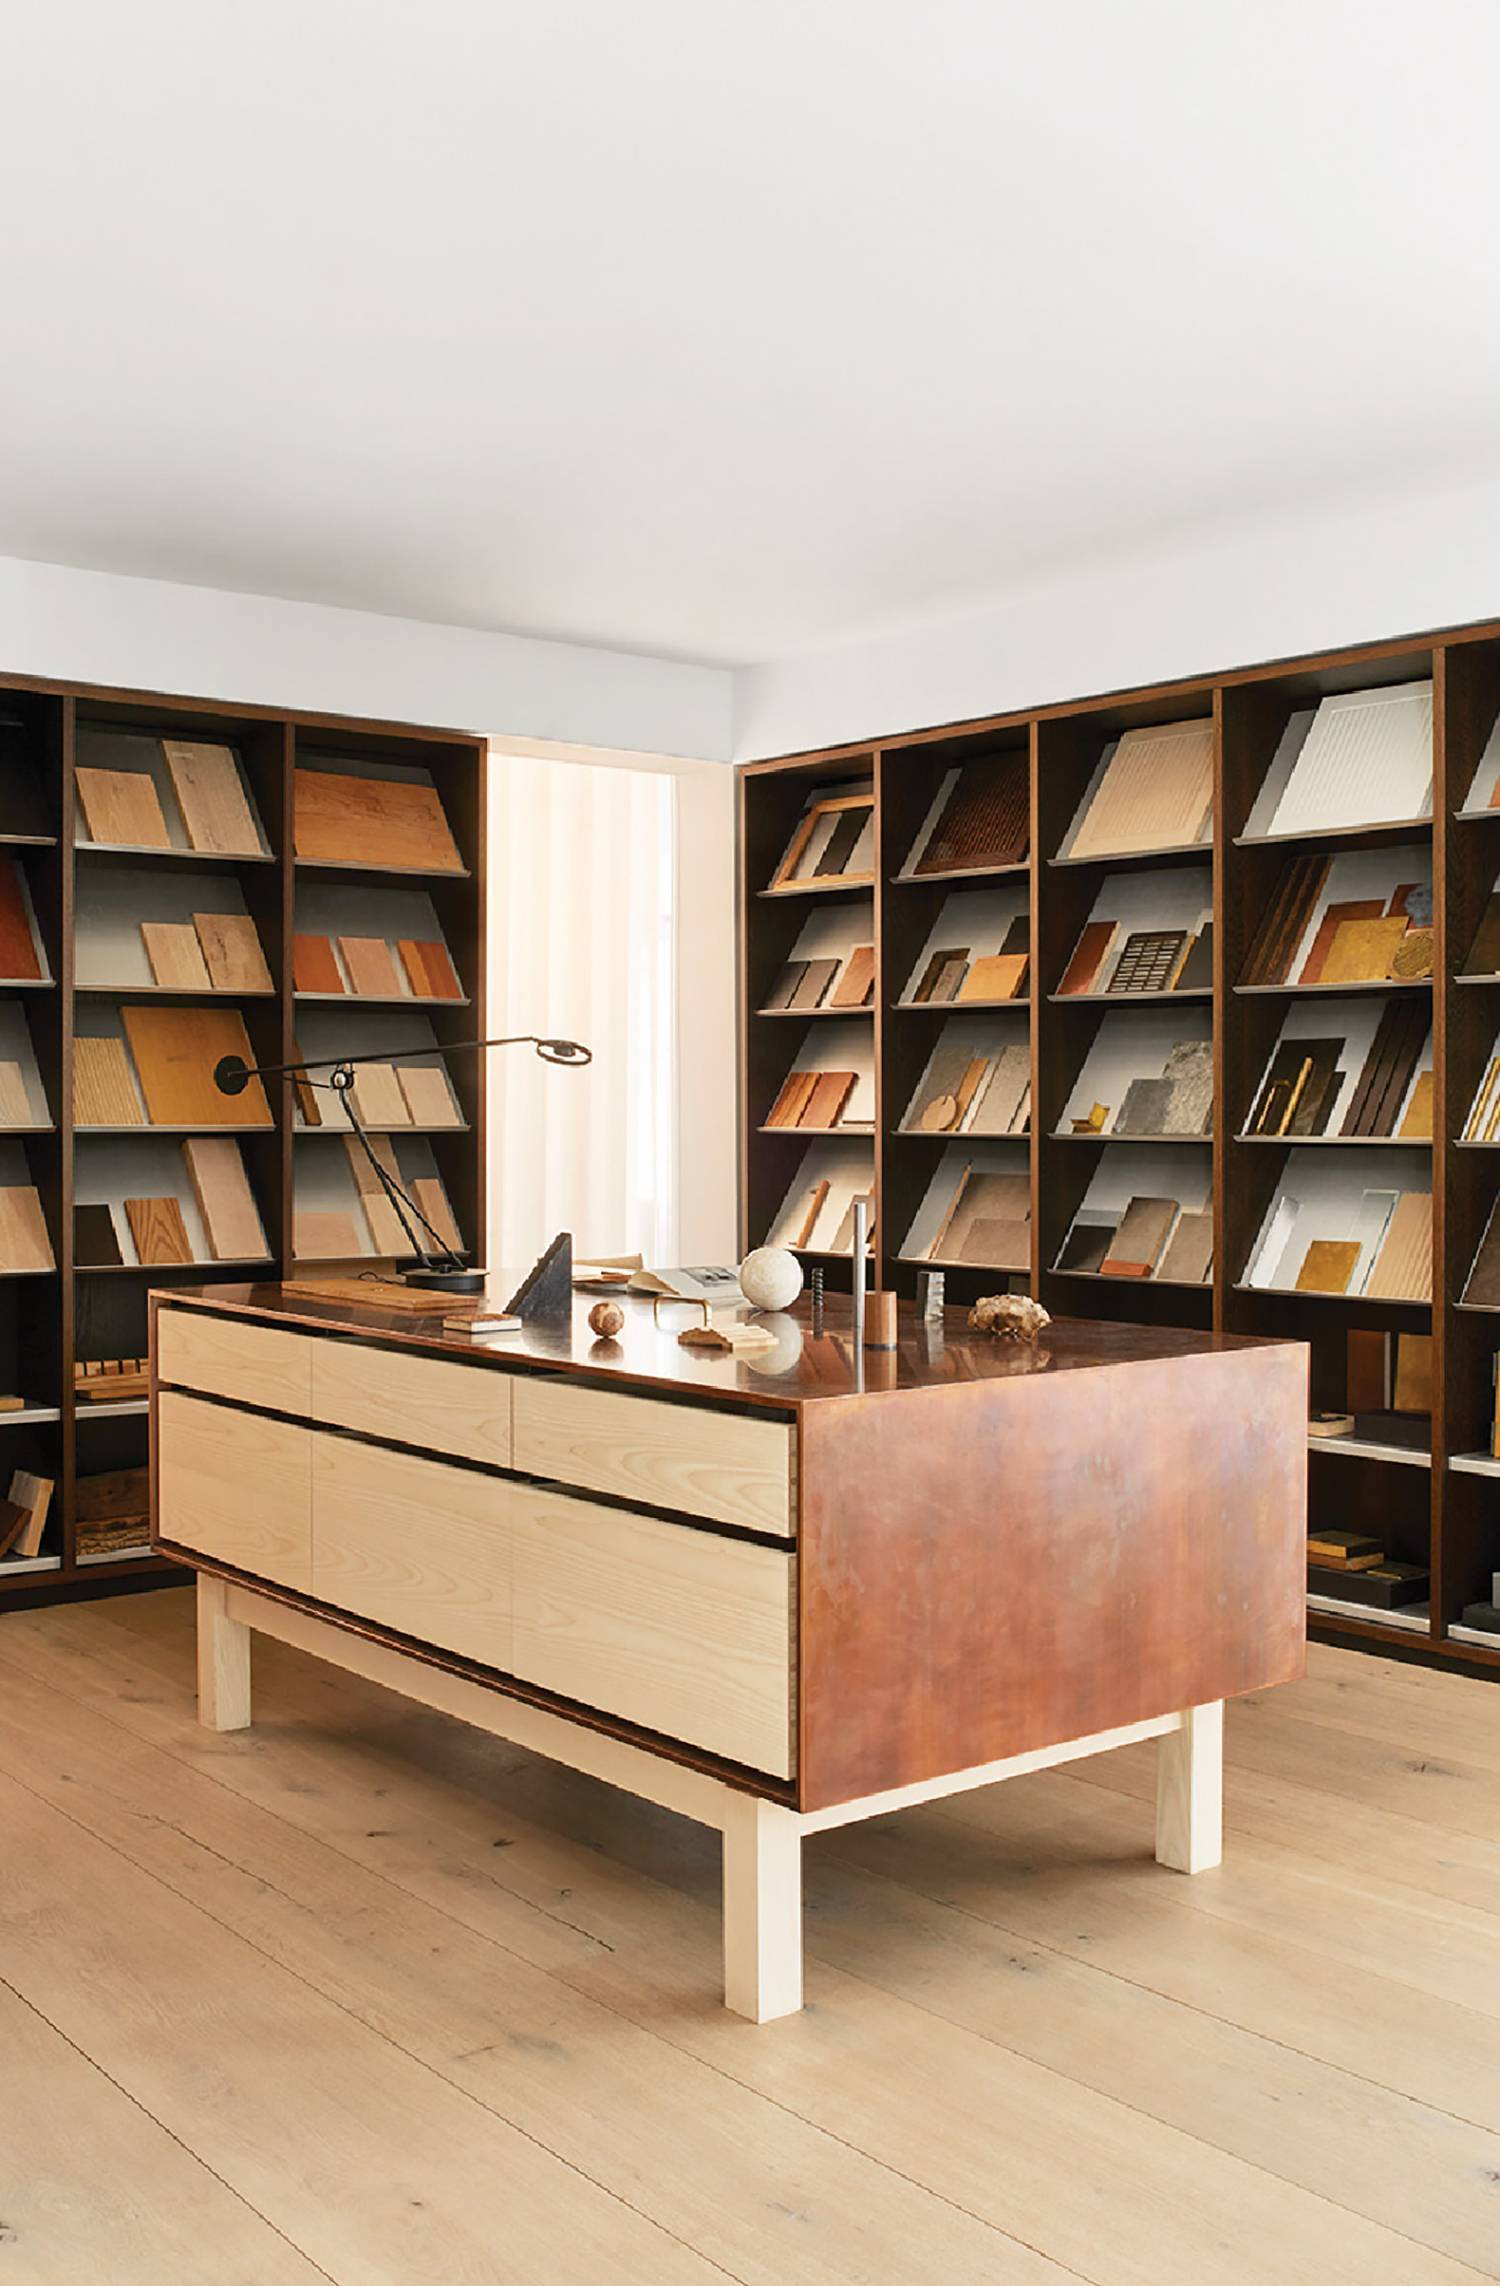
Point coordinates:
[(771, 1278)]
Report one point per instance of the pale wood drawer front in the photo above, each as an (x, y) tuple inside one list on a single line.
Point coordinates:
[(452, 1408), (228, 1357), (732, 1467), (682, 1631), (414, 1545), (235, 1486)]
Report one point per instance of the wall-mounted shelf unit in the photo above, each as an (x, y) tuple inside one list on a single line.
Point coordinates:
[(1347, 803), (149, 864)]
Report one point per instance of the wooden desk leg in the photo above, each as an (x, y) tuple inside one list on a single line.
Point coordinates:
[(1190, 1791), (223, 1660), (762, 1910)]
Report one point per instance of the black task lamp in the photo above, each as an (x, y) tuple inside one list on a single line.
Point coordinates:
[(436, 1265)]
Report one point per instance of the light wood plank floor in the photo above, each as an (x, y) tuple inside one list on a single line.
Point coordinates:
[(362, 1996)]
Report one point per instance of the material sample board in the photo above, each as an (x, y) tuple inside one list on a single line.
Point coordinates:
[(176, 956), (226, 1203), (1156, 792), (232, 952), (25, 1243), (122, 808), (1366, 760), (159, 1231), (19, 958), (175, 1051), (211, 796), (340, 819), (103, 1091)]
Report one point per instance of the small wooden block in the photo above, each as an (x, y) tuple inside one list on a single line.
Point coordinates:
[(175, 955), (232, 952), (880, 1319), (122, 808), (159, 1231)]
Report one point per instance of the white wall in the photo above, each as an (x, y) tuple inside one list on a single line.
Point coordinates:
[(84, 626), (1246, 596)]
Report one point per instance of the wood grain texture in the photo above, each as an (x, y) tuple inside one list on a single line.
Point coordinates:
[(328, 1234), (25, 1243), (19, 957), (158, 1229), (211, 795), (236, 1486), (378, 1096), (122, 808), (103, 1090), (727, 1466), (231, 1218), (370, 967), (231, 1357), (433, 1199), (346, 820), (429, 1098), (684, 1632), (175, 955), (920, 1620), (175, 1051), (232, 952), (449, 1408), (15, 1103), (314, 965), (223, 1660)]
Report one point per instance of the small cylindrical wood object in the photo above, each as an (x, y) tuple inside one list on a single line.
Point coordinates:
[(880, 1318)]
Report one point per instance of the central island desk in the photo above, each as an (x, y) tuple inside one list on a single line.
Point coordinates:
[(775, 1593)]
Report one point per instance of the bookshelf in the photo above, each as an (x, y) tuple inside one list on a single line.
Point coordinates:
[(191, 909), (1269, 750)]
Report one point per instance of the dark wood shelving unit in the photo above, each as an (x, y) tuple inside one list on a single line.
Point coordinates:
[(1437, 1508), (100, 1310)]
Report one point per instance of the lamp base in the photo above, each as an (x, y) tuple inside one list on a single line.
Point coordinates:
[(445, 1281)]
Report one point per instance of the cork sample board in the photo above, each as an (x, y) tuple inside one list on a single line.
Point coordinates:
[(371, 970), (175, 1051), (394, 822), (314, 967), (231, 1219), (24, 1240), (19, 958), (211, 796), (122, 807), (158, 1229), (103, 1091), (175, 955), (232, 954)]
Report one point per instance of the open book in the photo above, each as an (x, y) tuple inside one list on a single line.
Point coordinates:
[(715, 1286)]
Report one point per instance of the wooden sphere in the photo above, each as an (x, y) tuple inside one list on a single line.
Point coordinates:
[(606, 1318)]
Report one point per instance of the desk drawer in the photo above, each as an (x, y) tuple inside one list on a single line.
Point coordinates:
[(735, 1468), (415, 1545), (453, 1408), (236, 1486), (230, 1357), (682, 1631)]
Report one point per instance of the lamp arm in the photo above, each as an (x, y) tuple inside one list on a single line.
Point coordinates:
[(232, 1074), (402, 1206)]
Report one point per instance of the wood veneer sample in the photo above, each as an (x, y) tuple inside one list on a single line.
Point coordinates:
[(1140, 1241), (325, 1235), (306, 1094), (378, 1099), (103, 1091), (429, 969), (158, 1229), (371, 970), (813, 1205), (943, 975), (996, 976), (1413, 1392), (96, 1242), (429, 1098), (431, 1197), (1328, 1266), (348, 820), (1089, 955), (1402, 1270), (998, 1107), (24, 1240), (175, 955), (1156, 792), (1354, 909), (857, 982), (211, 795), (1366, 1370), (314, 967), (35, 1493), (985, 821), (791, 1099), (15, 1103), (231, 1219), (1285, 924), (122, 807), (232, 952), (825, 1105), (19, 957), (175, 1051), (817, 976), (1362, 951), (1416, 1123), (385, 1224)]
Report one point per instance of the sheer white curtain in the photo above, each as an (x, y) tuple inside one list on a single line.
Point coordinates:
[(583, 946)]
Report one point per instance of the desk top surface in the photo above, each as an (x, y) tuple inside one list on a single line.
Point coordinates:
[(809, 1364)]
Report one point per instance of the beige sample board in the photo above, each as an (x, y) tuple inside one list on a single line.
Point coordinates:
[(176, 956), (113, 901), (1129, 1171), (211, 794), (943, 1199), (1366, 760), (122, 808), (24, 1097), (25, 1243), (226, 1203), (1153, 790), (978, 921), (109, 1170), (232, 952)]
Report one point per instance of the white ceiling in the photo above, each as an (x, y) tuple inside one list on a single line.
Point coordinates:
[(726, 332)]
